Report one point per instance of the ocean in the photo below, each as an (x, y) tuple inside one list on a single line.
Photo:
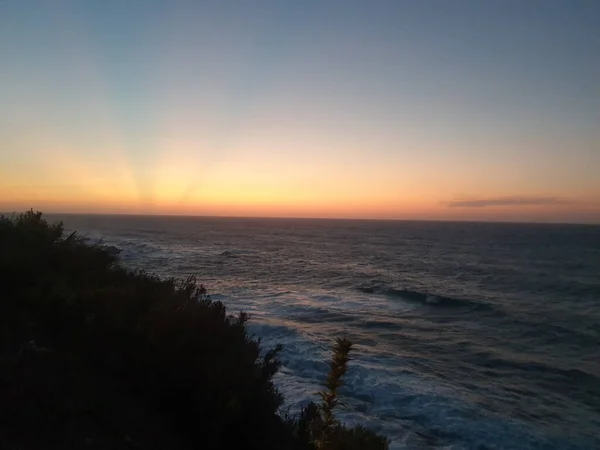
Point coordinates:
[(467, 335)]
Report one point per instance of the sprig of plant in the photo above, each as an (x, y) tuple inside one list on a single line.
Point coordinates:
[(338, 367)]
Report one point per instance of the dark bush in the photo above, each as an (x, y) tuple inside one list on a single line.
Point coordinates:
[(317, 425), (96, 356)]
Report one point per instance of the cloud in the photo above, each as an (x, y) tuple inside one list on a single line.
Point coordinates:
[(507, 201)]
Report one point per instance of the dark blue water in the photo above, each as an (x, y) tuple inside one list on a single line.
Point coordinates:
[(468, 335)]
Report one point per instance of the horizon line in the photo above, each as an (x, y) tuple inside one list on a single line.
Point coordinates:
[(362, 219)]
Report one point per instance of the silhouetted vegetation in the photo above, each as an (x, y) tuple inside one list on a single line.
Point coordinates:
[(317, 423), (93, 355)]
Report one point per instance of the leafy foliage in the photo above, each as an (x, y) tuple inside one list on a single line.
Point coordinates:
[(317, 423), (96, 356)]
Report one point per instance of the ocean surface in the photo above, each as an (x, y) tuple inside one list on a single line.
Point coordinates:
[(468, 335)]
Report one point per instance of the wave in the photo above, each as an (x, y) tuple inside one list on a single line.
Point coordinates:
[(237, 253), (425, 298), (150, 231), (410, 409)]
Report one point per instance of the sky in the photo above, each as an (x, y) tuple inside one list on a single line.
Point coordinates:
[(445, 110)]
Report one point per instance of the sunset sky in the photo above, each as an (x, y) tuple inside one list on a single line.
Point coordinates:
[(471, 110)]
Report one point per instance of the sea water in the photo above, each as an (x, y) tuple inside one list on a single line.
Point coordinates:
[(467, 335)]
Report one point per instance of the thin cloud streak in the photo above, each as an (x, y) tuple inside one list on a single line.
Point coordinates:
[(508, 201)]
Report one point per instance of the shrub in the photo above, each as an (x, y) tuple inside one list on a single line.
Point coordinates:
[(96, 356), (317, 424)]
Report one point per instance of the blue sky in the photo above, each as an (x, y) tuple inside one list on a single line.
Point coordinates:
[(399, 109)]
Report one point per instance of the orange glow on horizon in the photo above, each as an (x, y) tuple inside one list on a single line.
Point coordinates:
[(175, 111), (176, 184)]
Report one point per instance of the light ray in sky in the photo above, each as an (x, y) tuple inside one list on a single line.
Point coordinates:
[(335, 109)]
